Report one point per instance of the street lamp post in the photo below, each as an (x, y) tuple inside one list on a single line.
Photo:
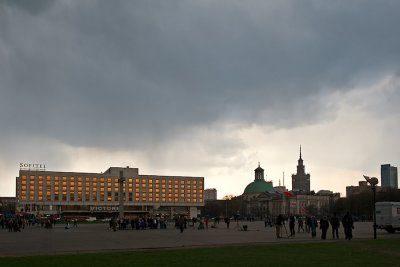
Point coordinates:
[(226, 208), (121, 192), (227, 197), (373, 182)]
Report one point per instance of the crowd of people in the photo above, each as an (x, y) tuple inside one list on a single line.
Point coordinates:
[(17, 223), (305, 224), (310, 224), (138, 223), (180, 222)]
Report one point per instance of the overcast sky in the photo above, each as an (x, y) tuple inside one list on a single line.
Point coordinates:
[(201, 88)]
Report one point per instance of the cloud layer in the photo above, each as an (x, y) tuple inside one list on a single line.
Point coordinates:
[(156, 79)]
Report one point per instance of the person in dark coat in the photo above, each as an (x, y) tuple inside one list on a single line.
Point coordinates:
[(313, 226), (181, 223), (348, 226), (335, 223), (323, 225), (291, 225), (227, 221)]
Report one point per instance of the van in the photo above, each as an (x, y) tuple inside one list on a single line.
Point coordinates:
[(388, 216)]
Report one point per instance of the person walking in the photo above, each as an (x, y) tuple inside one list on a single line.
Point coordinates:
[(335, 223), (267, 222), (227, 221), (308, 222), (323, 225), (181, 223), (348, 226), (67, 224), (291, 225), (278, 225), (300, 224), (313, 226)]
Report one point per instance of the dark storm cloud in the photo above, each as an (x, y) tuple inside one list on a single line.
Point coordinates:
[(32, 7), (133, 72)]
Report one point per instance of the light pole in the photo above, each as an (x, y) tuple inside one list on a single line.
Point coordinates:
[(373, 182), (226, 208), (121, 181), (227, 197)]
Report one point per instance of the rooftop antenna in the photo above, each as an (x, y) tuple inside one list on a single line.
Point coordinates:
[(300, 151), (283, 178)]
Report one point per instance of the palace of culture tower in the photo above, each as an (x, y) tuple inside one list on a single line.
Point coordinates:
[(301, 180)]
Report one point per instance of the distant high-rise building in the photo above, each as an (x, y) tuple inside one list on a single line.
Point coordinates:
[(301, 180), (389, 176), (210, 194)]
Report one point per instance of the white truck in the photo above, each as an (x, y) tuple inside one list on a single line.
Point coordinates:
[(388, 216)]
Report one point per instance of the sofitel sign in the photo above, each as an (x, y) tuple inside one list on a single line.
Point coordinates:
[(32, 166)]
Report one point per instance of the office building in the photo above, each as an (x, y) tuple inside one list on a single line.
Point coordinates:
[(210, 194), (389, 176)]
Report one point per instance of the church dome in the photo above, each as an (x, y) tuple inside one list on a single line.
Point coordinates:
[(258, 186)]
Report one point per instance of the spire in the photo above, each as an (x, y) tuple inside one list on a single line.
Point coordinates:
[(300, 152), (300, 166)]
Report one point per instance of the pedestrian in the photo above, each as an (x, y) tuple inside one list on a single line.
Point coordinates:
[(348, 226), (278, 225), (313, 226), (308, 222), (335, 223), (291, 225), (323, 225), (300, 224), (181, 223), (227, 221)]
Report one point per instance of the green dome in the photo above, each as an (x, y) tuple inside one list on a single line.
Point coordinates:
[(258, 186)]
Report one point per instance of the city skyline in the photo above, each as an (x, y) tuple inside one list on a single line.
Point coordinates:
[(203, 88), (40, 167)]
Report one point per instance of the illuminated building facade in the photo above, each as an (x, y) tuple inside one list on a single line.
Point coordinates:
[(49, 192)]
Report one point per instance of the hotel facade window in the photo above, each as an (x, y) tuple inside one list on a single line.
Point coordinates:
[(49, 192)]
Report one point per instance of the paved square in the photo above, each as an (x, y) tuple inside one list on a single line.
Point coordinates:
[(97, 237)]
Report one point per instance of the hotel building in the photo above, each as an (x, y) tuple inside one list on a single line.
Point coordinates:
[(97, 194)]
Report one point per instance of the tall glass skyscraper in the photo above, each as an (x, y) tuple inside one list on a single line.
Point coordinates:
[(389, 176)]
